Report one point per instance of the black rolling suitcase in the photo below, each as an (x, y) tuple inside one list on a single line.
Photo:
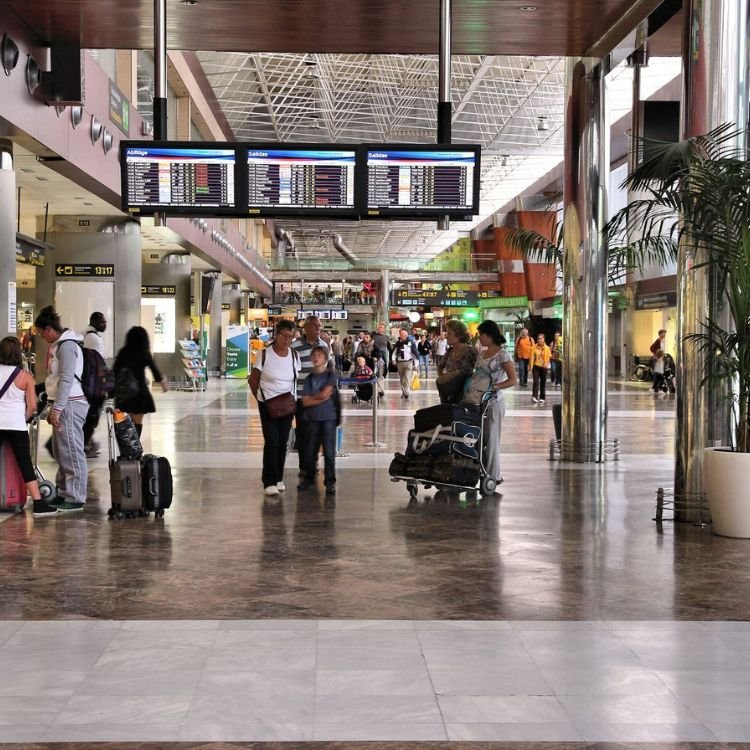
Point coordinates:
[(157, 484), (124, 478), (446, 415)]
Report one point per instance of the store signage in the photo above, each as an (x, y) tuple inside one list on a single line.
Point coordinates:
[(275, 310), (158, 291), (226, 306), (29, 254), (98, 270), (119, 109), (503, 302), (656, 301), (322, 314), (440, 297)]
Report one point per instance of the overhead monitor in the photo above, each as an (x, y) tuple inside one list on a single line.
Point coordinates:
[(413, 181), (314, 180), (179, 178)]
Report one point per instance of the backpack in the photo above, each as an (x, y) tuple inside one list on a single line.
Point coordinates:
[(97, 380)]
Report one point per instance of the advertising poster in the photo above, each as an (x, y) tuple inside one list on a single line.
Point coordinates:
[(158, 315), (238, 342)]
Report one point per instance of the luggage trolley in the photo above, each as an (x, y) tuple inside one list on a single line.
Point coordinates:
[(47, 489), (421, 442)]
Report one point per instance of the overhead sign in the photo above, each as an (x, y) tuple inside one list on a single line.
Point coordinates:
[(119, 109), (29, 254), (656, 301), (158, 291), (97, 270), (275, 310), (440, 297), (503, 302)]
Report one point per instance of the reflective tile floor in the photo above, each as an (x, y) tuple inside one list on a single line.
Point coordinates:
[(555, 612)]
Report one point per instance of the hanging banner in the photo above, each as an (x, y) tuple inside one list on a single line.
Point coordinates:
[(238, 345)]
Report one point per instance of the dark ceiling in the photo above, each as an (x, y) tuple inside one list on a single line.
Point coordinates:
[(480, 27)]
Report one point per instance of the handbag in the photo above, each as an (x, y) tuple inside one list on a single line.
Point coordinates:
[(415, 384), (281, 406), (451, 390)]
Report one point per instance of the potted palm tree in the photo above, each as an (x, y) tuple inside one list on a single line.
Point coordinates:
[(697, 194)]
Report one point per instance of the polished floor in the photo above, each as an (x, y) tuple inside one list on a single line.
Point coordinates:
[(554, 612)]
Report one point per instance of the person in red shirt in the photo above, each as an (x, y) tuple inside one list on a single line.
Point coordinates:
[(659, 343)]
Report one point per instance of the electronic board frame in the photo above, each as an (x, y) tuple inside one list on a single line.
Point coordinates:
[(418, 212), (344, 212), (239, 197)]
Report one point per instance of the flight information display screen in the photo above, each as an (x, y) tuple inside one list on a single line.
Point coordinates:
[(301, 179), (413, 181), (178, 179)]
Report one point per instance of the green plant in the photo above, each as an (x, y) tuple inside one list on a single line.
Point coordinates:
[(696, 194)]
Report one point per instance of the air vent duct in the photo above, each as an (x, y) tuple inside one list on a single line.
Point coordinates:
[(344, 250)]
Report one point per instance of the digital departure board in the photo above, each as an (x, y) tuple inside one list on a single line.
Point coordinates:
[(179, 178), (417, 181), (295, 179)]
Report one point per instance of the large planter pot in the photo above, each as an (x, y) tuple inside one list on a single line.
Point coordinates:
[(725, 480)]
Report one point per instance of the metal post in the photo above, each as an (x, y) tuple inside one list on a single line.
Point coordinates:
[(715, 91), (444, 113), (160, 70), (585, 262), (374, 443)]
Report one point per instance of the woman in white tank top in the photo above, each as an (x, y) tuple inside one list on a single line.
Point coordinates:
[(17, 404)]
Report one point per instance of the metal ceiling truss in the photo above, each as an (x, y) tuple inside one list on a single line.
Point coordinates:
[(512, 106)]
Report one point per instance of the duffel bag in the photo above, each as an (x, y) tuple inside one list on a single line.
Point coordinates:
[(399, 466), (455, 469), (470, 449), (446, 415), (426, 443)]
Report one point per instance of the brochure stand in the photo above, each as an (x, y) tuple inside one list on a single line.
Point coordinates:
[(193, 365)]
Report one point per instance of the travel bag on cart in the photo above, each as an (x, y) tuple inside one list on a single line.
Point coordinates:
[(454, 469), (12, 486), (446, 415), (157, 483)]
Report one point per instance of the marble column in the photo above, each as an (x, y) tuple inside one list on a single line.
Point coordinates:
[(7, 240), (715, 91), (585, 262)]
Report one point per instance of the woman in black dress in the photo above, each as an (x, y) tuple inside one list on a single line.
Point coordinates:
[(131, 391)]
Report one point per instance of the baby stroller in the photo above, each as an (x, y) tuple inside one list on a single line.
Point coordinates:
[(362, 393), (666, 384)]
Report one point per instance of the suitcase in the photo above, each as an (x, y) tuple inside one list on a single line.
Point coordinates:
[(124, 478), (126, 486), (157, 484), (12, 486), (446, 415)]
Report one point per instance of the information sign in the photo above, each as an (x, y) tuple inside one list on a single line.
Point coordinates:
[(158, 291), (440, 297), (237, 352), (97, 270)]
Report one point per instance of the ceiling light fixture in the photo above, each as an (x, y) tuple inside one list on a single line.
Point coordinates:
[(76, 116), (528, 8), (188, 2), (33, 75), (542, 123), (10, 54)]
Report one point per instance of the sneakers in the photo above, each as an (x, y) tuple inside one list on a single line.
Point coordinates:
[(541, 400), (535, 400), (66, 507), (305, 484), (42, 508), (280, 486), (271, 491), (331, 488), (91, 451)]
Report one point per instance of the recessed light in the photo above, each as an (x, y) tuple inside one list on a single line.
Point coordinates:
[(528, 8), (189, 2)]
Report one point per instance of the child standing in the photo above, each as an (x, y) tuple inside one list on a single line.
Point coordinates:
[(320, 414)]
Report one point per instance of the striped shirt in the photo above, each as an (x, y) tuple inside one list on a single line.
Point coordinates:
[(304, 349)]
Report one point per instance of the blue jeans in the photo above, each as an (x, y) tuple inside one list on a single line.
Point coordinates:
[(317, 434), (424, 362), (523, 371)]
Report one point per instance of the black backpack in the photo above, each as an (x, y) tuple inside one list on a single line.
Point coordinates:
[(97, 380)]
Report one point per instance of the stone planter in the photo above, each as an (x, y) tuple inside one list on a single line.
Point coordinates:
[(725, 479)]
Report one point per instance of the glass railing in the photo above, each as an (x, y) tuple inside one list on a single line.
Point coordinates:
[(472, 264)]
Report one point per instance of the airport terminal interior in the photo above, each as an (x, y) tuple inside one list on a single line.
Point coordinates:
[(208, 169)]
